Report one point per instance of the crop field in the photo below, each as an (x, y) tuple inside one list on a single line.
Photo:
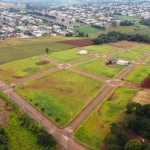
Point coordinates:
[(122, 29), (129, 18), (139, 74), (61, 95), (101, 49), (128, 55), (94, 129), (19, 136), (99, 67), (67, 55), (16, 70), (123, 44), (11, 53), (87, 29), (142, 48)]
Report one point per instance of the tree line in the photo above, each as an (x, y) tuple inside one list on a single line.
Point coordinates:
[(126, 23), (145, 22), (136, 122), (115, 36)]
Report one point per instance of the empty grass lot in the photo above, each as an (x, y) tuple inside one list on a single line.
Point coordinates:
[(13, 71), (129, 18), (62, 95), (87, 29), (99, 67), (94, 129), (11, 53), (139, 74), (143, 31), (142, 48), (67, 55), (128, 55), (147, 60), (101, 49)]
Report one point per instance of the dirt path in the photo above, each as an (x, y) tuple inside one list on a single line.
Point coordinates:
[(56, 62)]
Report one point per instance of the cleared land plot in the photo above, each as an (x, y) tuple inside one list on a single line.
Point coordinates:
[(139, 74), (99, 67), (16, 70), (62, 95), (128, 55), (142, 97), (143, 31), (123, 29), (94, 129), (11, 53), (87, 29), (142, 48), (101, 49), (67, 55), (78, 43), (129, 18), (122, 44)]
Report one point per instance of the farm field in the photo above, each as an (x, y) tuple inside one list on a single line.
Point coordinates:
[(99, 67), (123, 44), (139, 74), (16, 70), (87, 29), (101, 49), (123, 29), (142, 48), (61, 95), (147, 60), (67, 55), (11, 53), (143, 31), (94, 129), (128, 55), (129, 18)]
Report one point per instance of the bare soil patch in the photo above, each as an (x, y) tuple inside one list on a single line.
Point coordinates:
[(78, 43), (111, 97), (4, 114), (146, 83), (123, 44), (142, 97), (42, 62), (17, 77)]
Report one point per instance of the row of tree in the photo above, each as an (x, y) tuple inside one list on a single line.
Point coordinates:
[(126, 23), (114, 36), (145, 22), (137, 121), (98, 27)]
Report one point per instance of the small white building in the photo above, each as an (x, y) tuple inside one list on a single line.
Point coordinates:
[(122, 62), (83, 52)]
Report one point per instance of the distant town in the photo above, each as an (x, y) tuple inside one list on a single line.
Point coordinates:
[(25, 21)]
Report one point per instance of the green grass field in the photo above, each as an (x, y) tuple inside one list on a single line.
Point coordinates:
[(16, 70), (128, 55), (123, 29), (20, 137), (67, 55), (62, 94), (147, 60), (142, 48), (94, 129), (129, 18), (143, 31), (99, 67), (101, 49), (87, 29), (139, 74), (11, 53)]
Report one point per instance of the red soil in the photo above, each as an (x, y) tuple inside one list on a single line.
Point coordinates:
[(146, 83), (111, 97), (78, 43), (17, 77), (42, 62)]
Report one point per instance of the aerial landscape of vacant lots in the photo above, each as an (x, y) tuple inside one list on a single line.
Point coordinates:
[(74, 75)]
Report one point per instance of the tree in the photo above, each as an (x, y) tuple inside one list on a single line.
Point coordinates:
[(47, 50), (114, 24), (133, 145)]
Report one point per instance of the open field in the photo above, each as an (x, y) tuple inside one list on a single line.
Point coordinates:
[(94, 129), (11, 53), (123, 44), (142, 48), (14, 5), (61, 95), (129, 18), (101, 49), (128, 55), (147, 60), (99, 67), (87, 29), (142, 97), (67, 55), (123, 29), (13, 71), (139, 74), (143, 31)]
